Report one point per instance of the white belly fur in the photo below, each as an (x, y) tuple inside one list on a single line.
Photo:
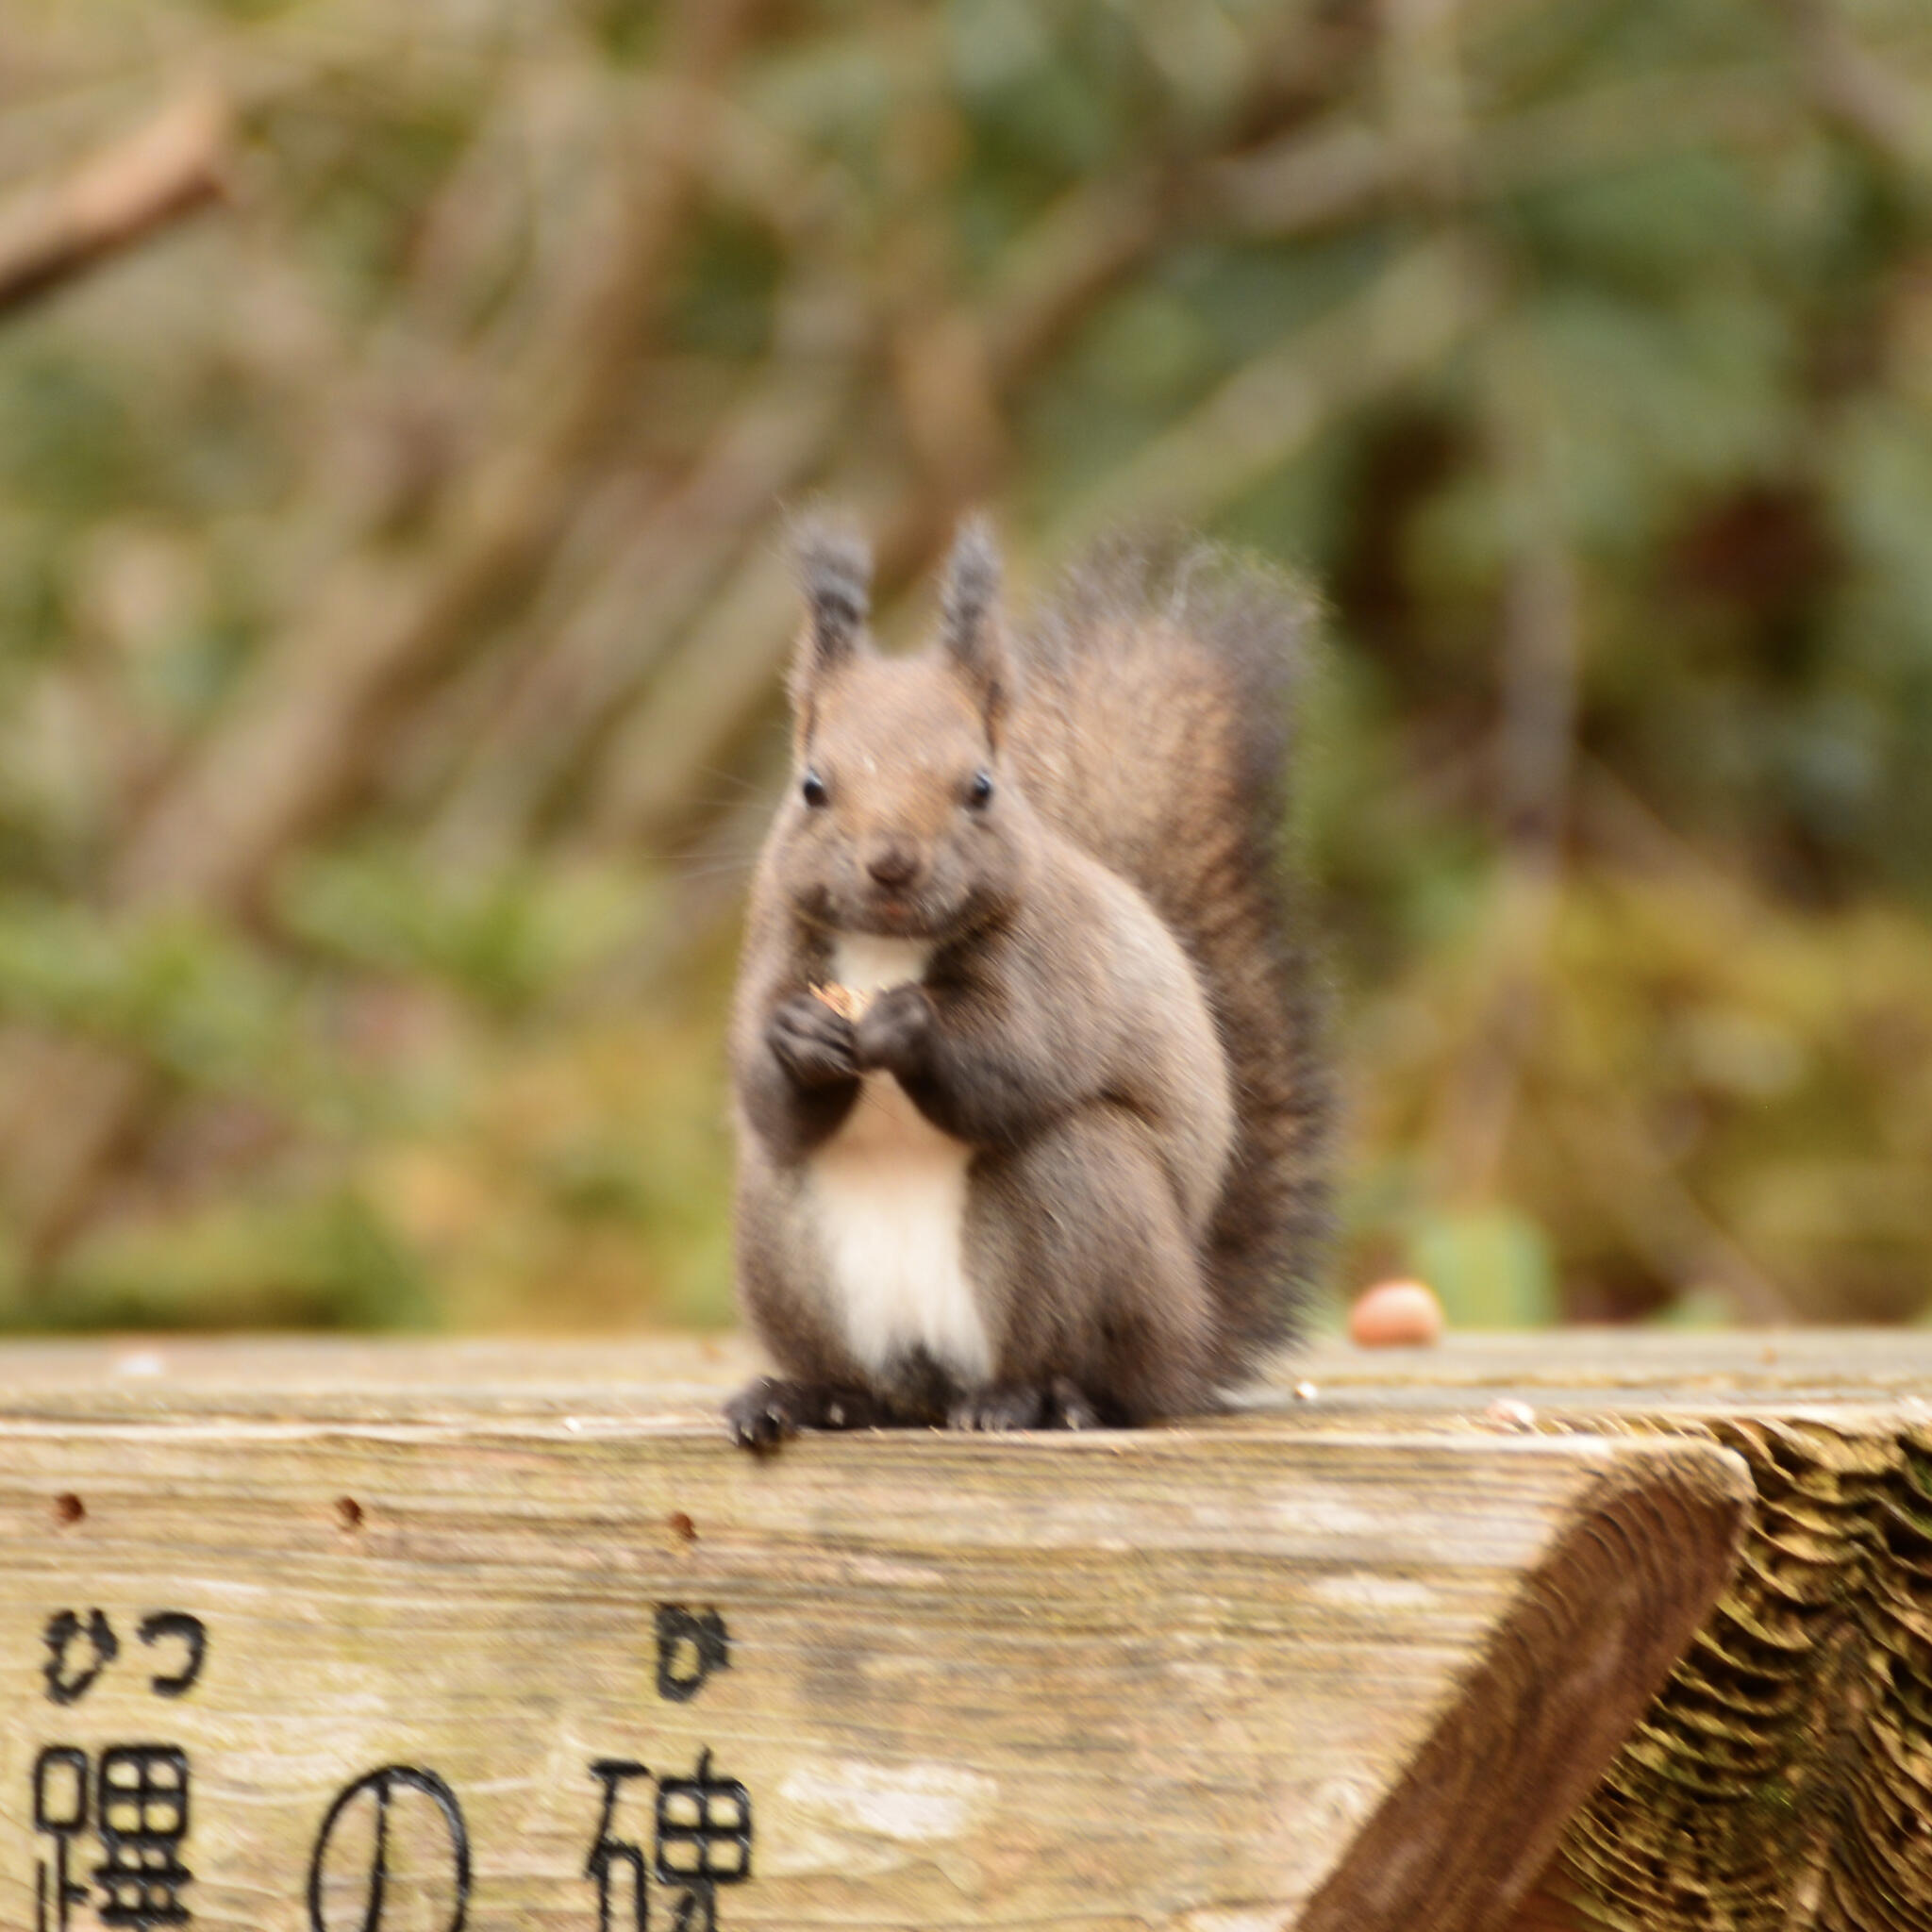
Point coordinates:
[(888, 1194)]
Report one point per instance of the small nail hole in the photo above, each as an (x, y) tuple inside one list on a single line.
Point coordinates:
[(348, 1515), (69, 1509), (683, 1527)]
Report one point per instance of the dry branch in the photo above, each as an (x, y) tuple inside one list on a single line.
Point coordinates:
[(1344, 169), (1534, 749), (56, 231), (657, 583), (301, 737), (1857, 89), (1410, 315)]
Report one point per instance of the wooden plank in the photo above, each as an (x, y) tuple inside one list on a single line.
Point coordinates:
[(1253, 1675), (1578, 1373)]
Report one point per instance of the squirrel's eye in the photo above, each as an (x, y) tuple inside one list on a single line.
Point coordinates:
[(980, 790), (814, 789)]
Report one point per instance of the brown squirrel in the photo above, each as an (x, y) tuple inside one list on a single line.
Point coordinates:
[(1031, 1119)]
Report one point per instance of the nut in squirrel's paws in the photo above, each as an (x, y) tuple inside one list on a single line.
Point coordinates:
[(848, 1002)]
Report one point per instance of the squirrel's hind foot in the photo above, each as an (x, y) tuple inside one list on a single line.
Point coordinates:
[(1001, 1407), (767, 1412)]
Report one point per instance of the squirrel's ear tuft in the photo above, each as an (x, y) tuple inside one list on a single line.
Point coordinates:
[(971, 586), (969, 617), (835, 573)]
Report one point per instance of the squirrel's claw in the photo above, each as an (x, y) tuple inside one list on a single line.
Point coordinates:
[(1000, 1407), (1070, 1407), (1005, 1406)]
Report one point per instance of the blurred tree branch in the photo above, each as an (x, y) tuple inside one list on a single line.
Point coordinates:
[(1533, 749), (301, 735), (1423, 303), (164, 170), (656, 582), (1857, 89), (302, 732), (1346, 166)]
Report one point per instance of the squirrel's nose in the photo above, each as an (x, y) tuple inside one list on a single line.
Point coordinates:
[(893, 862)]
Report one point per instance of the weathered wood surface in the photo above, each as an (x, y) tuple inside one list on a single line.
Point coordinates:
[(1259, 1673), (1784, 1777)]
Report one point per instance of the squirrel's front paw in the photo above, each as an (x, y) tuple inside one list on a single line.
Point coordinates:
[(766, 1412), (769, 1411), (815, 1046), (894, 1033)]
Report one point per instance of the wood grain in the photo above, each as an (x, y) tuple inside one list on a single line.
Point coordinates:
[(1783, 1780), (1254, 1674)]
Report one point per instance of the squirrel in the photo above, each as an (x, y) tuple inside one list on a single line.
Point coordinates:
[(1030, 1111)]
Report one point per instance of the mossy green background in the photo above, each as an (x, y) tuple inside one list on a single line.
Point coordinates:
[(1582, 353)]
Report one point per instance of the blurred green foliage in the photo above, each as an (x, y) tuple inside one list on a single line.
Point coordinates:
[(392, 604)]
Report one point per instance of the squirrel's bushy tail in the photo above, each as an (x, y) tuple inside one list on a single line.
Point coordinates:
[(1155, 730)]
